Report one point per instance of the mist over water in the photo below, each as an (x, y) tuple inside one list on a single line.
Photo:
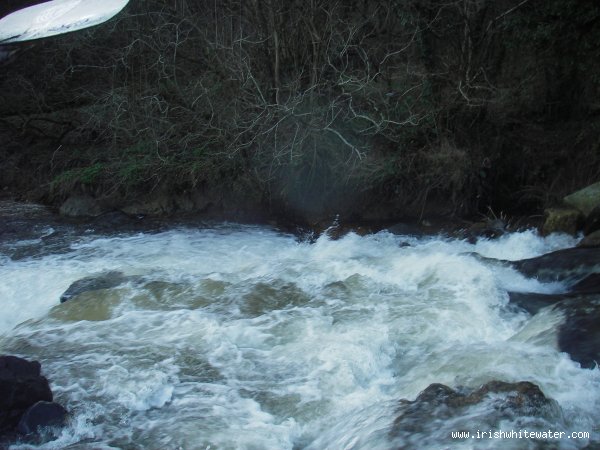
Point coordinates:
[(241, 337)]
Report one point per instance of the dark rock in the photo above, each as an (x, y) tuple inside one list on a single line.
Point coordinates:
[(184, 203), (579, 330), (81, 206), (579, 334), (21, 386), (494, 228), (41, 415), (562, 220), (483, 408), (113, 220), (19, 367), (532, 302), (204, 200), (592, 221), (104, 281), (159, 204), (489, 229), (591, 240), (570, 264), (405, 229), (338, 231), (588, 285)]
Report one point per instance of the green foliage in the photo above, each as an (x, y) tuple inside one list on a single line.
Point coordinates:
[(81, 175)]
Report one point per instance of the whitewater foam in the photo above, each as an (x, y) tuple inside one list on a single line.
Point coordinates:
[(290, 344)]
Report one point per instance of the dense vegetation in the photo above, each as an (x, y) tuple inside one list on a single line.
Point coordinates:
[(365, 107)]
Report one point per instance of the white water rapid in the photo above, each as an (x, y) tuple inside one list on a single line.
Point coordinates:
[(241, 337)]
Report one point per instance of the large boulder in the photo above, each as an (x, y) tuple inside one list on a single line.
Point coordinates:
[(429, 420), (21, 386), (81, 206), (586, 199), (562, 220)]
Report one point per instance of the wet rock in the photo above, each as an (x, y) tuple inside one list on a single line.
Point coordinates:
[(42, 415), (592, 221), (588, 285), (405, 229), (591, 240), (579, 330), (562, 220), (21, 386), (94, 283), (533, 302), (490, 229), (579, 334), (482, 408), (585, 200), (81, 206), (568, 264), (338, 231)]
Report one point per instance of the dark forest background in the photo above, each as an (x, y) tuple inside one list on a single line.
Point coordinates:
[(366, 108)]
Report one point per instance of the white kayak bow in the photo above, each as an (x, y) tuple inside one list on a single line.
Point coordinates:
[(56, 17)]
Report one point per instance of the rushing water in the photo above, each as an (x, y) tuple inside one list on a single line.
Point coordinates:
[(242, 337)]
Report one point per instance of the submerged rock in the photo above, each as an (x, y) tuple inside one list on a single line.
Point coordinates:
[(94, 283), (21, 386), (484, 408)]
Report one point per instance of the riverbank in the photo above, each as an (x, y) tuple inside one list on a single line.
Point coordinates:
[(83, 210)]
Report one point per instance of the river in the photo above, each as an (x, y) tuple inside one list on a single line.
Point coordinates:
[(226, 336)]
